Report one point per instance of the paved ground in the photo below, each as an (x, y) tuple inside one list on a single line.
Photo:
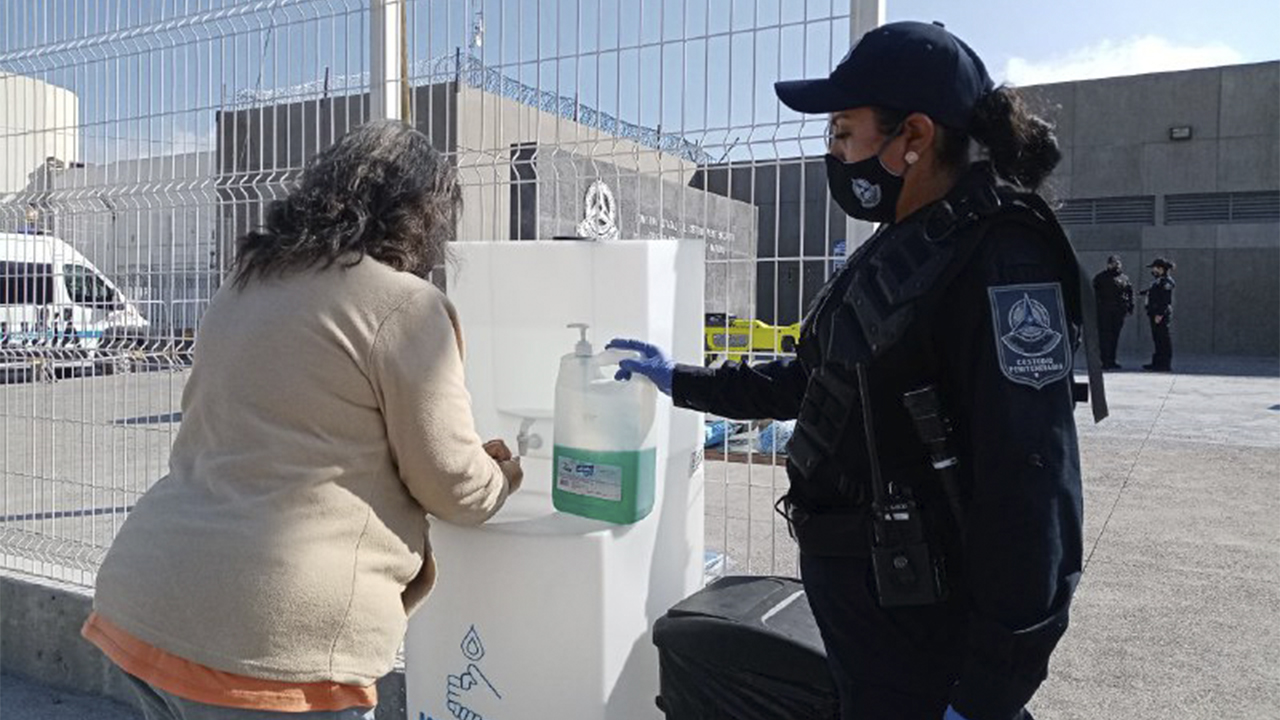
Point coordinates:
[(76, 454), (1176, 614), (1175, 618)]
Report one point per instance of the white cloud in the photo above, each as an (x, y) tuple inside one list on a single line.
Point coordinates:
[(185, 140), (1111, 58), (172, 141)]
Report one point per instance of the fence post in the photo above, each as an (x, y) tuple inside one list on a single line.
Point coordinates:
[(386, 37), (863, 16)]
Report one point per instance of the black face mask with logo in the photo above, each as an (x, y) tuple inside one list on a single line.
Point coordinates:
[(865, 189)]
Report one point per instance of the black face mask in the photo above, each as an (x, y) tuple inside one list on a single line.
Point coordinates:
[(865, 189)]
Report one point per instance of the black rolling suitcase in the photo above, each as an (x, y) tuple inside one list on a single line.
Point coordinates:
[(743, 648)]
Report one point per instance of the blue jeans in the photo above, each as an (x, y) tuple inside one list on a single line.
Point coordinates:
[(156, 704)]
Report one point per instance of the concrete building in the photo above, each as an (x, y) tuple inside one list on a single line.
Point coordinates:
[(38, 121), (526, 174), (556, 190), (526, 160), (801, 231), (1184, 165), (150, 224)]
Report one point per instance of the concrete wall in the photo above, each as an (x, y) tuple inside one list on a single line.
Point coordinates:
[(40, 639), (647, 206), (488, 126), (37, 121), (150, 224), (798, 226), (1115, 139), (262, 150), (139, 214)]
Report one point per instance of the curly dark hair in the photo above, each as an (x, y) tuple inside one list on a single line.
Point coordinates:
[(1020, 144), (381, 191)]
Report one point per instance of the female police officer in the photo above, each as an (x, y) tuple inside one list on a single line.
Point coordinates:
[(935, 476)]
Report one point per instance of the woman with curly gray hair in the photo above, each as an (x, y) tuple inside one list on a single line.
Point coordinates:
[(272, 571)]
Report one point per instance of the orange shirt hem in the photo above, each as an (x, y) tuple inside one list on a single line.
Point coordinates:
[(203, 684)]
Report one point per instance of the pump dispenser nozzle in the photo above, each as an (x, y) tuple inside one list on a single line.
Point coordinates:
[(583, 348)]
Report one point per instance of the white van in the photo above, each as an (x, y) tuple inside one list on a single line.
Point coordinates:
[(56, 306)]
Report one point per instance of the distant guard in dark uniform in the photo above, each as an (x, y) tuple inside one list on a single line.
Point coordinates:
[(1115, 302), (1160, 314)]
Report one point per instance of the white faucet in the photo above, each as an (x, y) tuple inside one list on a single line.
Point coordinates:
[(526, 442)]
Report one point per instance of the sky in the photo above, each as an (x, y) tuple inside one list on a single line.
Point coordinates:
[(700, 68), (1033, 41)]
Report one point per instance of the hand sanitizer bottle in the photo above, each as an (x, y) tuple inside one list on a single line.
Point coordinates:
[(604, 461)]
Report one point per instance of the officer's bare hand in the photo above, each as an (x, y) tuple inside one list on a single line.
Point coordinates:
[(512, 471), (498, 450), (1159, 319)]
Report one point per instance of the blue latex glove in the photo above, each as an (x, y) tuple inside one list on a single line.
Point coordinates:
[(953, 715), (653, 363)]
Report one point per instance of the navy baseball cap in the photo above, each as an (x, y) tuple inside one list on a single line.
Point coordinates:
[(907, 66)]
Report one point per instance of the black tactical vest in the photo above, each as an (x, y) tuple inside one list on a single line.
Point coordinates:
[(878, 313)]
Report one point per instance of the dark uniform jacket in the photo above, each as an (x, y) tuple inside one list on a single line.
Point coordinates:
[(1113, 291), (1160, 297), (1018, 556)]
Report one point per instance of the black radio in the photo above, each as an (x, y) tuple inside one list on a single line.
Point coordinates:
[(907, 571)]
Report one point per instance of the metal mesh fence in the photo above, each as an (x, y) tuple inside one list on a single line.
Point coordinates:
[(139, 140)]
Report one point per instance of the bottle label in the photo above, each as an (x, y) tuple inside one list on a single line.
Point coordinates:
[(589, 479)]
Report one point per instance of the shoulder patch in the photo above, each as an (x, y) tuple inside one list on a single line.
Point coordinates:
[(1031, 333)]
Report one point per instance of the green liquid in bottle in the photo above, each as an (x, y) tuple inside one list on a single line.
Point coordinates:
[(614, 486)]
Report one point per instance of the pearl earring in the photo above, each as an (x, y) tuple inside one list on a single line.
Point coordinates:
[(912, 157)]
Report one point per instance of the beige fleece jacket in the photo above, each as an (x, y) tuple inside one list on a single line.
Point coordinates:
[(324, 418)]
